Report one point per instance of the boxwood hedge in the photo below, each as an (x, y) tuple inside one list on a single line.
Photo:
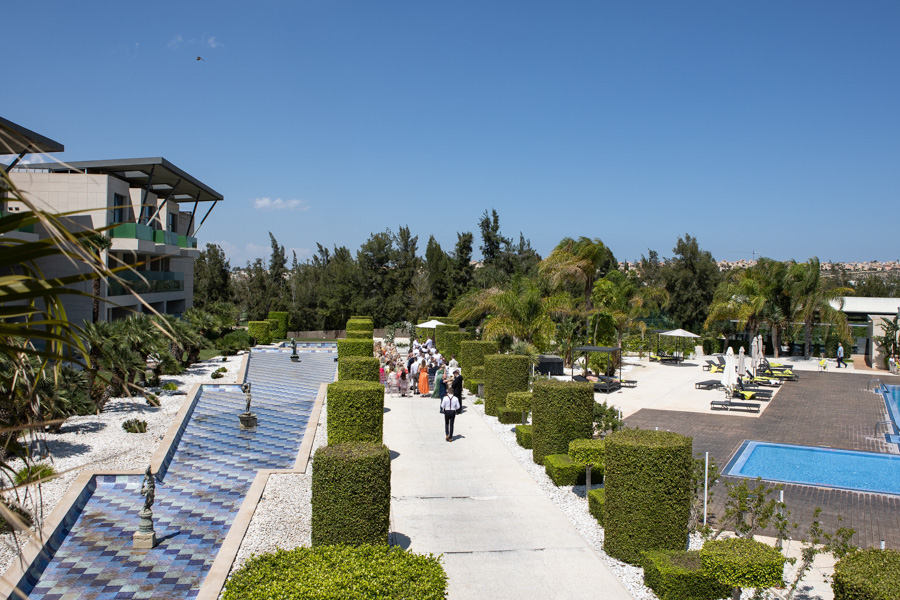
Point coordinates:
[(355, 347), (562, 470), (507, 416), (260, 331), (520, 402), (588, 452), (445, 320), (351, 494), (360, 368), (355, 411), (743, 562), (596, 500), (350, 573), (679, 575), (360, 324), (562, 411), (474, 379), (358, 335), (273, 326), (452, 340), (440, 337), (648, 492), (503, 373), (472, 353), (361, 318), (281, 319), (868, 575), (523, 436)]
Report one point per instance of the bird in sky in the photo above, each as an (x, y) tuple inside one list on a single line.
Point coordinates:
[(200, 58)]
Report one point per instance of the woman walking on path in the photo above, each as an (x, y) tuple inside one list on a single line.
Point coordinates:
[(449, 406), (423, 378), (440, 386)]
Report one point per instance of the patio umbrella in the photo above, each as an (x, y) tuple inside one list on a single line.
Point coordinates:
[(741, 362), (729, 376), (430, 324), (679, 333), (754, 354)]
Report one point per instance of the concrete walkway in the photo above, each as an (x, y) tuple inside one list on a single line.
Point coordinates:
[(469, 500)]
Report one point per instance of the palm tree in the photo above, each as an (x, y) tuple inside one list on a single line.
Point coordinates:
[(625, 301), (98, 243), (811, 299), (580, 262)]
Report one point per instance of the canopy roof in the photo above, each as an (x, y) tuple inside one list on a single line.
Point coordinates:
[(605, 349), (679, 333), (430, 324), (15, 139)]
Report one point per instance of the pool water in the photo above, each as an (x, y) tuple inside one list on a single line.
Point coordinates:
[(826, 467), (891, 395)]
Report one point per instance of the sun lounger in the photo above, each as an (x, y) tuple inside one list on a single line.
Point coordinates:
[(604, 385), (709, 384), (629, 383), (729, 404)]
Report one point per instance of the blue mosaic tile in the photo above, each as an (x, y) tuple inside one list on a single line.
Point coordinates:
[(90, 556)]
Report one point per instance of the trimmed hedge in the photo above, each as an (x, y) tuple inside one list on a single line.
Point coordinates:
[(648, 492), (523, 436), (440, 337), (596, 502), (359, 324), (562, 411), (472, 353), (508, 416), (520, 401), (471, 383), (562, 470), (350, 573), (867, 575), (367, 318), (260, 332), (503, 373), (679, 575), (743, 562), (355, 411), (358, 335), (360, 368), (445, 320), (273, 327), (452, 340), (588, 452), (353, 347), (281, 324), (351, 494)]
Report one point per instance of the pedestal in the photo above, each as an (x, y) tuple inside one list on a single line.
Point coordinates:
[(248, 420), (295, 358), (145, 537)]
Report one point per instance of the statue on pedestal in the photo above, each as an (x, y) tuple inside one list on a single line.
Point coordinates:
[(294, 356), (247, 418), (145, 537)]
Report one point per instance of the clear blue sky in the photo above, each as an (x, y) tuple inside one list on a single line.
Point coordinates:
[(770, 126)]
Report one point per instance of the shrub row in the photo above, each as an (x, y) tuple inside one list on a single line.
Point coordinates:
[(452, 340), (440, 337), (648, 491), (562, 411), (279, 332), (508, 416), (260, 332), (523, 436), (503, 373), (743, 562), (596, 502), (472, 381), (361, 368), (355, 411), (679, 575), (562, 470), (868, 575), (351, 494), (472, 353), (350, 573), (355, 347)]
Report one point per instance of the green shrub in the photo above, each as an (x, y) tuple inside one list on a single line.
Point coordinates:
[(440, 337), (523, 436), (561, 412), (452, 340), (471, 383), (868, 575), (362, 318), (503, 373), (216, 375), (360, 324), (596, 501), (351, 494), (360, 368), (679, 575), (562, 470), (153, 401), (588, 452), (259, 332), (344, 572), (221, 370), (355, 348), (169, 386), (445, 320), (521, 403), (35, 472), (355, 411), (359, 335), (648, 492), (508, 416), (233, 342), (273, 327), (135, 426), (279, 332), (743, 562), (472, 353)]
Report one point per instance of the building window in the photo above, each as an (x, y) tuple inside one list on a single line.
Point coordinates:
[(118, 208), (173, 222)]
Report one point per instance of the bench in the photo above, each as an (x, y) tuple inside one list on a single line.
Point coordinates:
[(709, 384), (729, 404)]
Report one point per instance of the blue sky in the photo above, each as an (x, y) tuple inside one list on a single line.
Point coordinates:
[(754, 126)]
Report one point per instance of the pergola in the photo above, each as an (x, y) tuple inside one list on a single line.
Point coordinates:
[(602, 349)]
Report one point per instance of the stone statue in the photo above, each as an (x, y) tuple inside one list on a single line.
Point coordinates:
[(148, 489), (247, 419), (145, 537), (293, 346)]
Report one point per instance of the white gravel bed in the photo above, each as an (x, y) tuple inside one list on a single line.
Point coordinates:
[(98, 443), (283, 517)]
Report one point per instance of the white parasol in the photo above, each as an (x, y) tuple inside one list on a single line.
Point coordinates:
[(729, 377), (430, 324), (679, 333), (741, 363), (754, 354)]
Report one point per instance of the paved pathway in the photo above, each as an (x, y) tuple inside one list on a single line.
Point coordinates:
[(471, 501)]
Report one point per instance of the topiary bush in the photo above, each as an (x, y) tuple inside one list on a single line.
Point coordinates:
[(440, 338), (360, 368), (358, 326), (562, 470), (355, 411), (135, 426), (355, 347), (273, 326), (452, 340), (679, 575), (472, 353), (349, 573), (259, 332), (589, 452), (471, 383), (508, 416), (359, 335), (503, 373), (523, 436), (596, 502), (521, 402), (279, 332), (743, 562), (648, 492), (867, 575), (351, 494), (562, 411)]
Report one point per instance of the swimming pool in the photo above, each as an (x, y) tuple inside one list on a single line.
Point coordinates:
[(808, 465), (891, 394)]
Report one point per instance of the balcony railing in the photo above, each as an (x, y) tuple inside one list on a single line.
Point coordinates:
[(186, 241), (152, 282), (165, 237), (134, 231), (25, 229)]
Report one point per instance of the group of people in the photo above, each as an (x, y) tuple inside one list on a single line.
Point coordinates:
[(424, 372)]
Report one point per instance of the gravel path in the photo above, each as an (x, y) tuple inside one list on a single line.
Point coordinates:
[(98, 443)]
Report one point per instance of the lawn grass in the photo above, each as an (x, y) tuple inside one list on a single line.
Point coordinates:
[(208, 353)]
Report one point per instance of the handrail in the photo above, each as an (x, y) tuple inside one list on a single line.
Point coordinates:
[(890, 425), (871, 381)]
